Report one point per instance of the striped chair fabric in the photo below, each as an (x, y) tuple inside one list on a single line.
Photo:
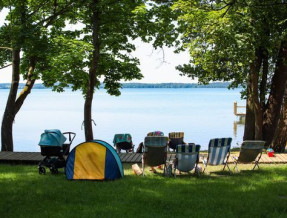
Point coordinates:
[(155, 141), (218, 149), (176, 135), (187, 156), (187, 148), (155, 133)]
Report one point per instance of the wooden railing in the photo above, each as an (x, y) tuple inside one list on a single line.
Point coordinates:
[(235, 106)]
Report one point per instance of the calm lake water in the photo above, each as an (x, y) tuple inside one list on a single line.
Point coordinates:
[(202, 113)]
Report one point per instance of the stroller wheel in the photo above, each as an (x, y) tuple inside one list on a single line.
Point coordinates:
[(42, 170), (54, 170)]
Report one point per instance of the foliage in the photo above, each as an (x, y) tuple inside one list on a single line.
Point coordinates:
[(222, 36), (120, 23), (140, 85), (75, 53), (30, 26)]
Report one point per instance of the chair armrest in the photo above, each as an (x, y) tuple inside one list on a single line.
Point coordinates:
[(204, 160), (235, 158)]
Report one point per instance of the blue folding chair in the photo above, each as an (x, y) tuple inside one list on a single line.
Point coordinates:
[(218, 153)]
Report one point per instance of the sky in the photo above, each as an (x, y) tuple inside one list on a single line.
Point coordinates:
[(152, 66)]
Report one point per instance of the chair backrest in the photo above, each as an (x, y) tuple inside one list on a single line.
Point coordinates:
[(187, 156), (155, 133), (175, 138), (173, 142), (176, 135), (123, 137), (123, 141), (218, 149), (155, 150), (249, 150)]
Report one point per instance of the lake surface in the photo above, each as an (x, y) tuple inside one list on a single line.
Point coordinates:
[(202, 113)]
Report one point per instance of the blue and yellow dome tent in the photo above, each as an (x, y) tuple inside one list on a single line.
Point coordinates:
[(94, 160)]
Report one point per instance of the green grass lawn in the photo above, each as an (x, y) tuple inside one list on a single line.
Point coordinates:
[(25, 193)]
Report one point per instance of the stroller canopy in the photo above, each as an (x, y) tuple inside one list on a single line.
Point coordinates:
[(52, 137), (94, 160), (118, 138)]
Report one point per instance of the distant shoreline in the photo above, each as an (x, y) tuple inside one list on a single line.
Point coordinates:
[(140, 85)]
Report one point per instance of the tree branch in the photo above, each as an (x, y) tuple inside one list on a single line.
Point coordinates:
[(270, 4), (51, 18), (5, 66), (37, 9), (7, 48)]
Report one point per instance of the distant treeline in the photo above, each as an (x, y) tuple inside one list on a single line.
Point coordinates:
[(142, 85), (175, 85), (21, 86)]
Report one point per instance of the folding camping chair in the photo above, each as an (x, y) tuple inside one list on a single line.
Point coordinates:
[(154, 152), (218, 153), (155, 133), (123, 142), (187, 157), (250, 151), (175, 138)]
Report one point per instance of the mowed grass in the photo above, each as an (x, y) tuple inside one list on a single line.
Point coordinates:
[(263, 193)]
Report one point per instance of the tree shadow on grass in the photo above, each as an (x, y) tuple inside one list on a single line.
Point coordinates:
[(246, 194)]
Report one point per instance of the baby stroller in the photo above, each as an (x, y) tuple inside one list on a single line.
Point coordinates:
[(53, 148)]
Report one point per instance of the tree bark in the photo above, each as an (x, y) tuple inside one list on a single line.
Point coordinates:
[(28, 86), (263, 83), (254, 120), (274, 104), (9, 113), (92, 75), (280, 137), (14, 104), (249, 128), (254, 71)]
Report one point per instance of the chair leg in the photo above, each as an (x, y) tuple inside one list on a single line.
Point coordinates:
[(118, 150), (143, 165), (164, 170), (226, 165), (196, 171), (203, 169), (235, 167), (256, 164), (204, 162), (174, 168)]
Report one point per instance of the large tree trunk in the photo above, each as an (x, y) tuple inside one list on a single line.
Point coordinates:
[(9, 113), (273, 107), (254, 71), (263, 83), (14, 104), (92, 75), (254, 120), (249, 129), (280, 136)]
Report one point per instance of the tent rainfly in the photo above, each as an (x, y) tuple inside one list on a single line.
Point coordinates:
[(94, 160)]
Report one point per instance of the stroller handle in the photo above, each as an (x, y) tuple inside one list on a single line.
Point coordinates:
[(72, 135)]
